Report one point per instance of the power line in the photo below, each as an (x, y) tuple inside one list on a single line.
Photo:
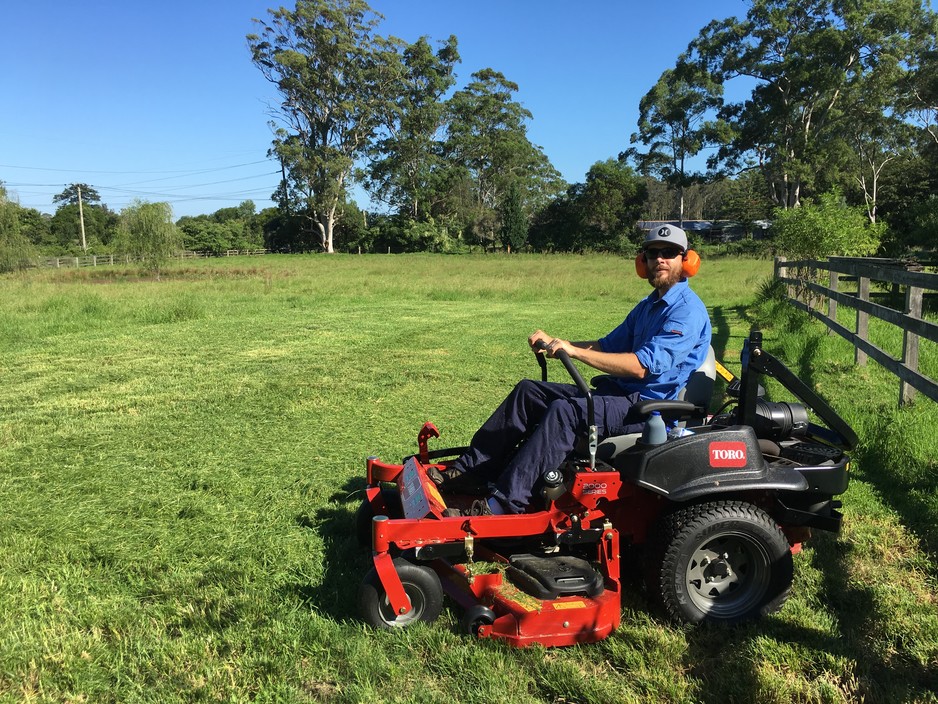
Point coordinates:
[(192, 172), (118, 195)]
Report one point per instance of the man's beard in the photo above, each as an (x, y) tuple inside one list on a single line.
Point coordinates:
[(666, 278)]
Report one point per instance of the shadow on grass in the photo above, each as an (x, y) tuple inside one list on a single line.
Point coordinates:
[(885, 672), (345, 563)]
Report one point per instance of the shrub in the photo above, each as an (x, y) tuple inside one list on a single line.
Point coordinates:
[(828, 227)]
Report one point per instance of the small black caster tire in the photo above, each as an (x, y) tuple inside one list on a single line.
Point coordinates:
[(476, 616), (422, 586)]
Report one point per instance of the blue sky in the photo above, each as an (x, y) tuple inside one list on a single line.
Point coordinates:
[(160, 101)]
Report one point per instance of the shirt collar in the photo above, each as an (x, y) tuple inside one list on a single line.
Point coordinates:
[(671, 296)]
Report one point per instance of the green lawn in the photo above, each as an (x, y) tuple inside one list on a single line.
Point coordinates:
[(180, 462)]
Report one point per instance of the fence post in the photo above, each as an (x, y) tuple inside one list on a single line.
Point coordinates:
[(781, 272), (913, 308), (863, 320), (831, 302)]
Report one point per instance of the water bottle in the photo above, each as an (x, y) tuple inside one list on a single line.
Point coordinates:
[(654, 432), (679, 432)]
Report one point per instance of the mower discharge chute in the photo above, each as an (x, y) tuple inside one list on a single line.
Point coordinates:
[(710, 519)]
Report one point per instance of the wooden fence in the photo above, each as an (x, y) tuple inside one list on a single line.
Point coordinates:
[(110, 259), (806, 293)]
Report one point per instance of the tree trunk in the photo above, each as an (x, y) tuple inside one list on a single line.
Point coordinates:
[(680, 195)]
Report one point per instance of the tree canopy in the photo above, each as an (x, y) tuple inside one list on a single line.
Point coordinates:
[(812, 65), (337, 80), (75, 192)]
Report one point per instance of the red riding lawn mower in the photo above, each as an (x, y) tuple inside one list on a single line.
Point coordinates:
[(709, 519)]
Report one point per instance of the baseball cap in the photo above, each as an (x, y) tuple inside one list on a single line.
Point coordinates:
[(666, 234)]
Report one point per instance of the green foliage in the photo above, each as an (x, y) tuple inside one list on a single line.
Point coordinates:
[(598, 215), (338, 81), (148, 234), (609, 203), (745, 201), (924, 224), (16, 251), (828, 227), (673, 124), (814, 67), (226, 229), (101, 227), (514, 230), (35, 227), (75, 192), (487, 140), (406, 159)]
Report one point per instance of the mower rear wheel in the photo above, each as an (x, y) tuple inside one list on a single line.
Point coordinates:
[(422, 586), (722, 562)]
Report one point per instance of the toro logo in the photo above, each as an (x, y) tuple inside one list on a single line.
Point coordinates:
[(727, 454)]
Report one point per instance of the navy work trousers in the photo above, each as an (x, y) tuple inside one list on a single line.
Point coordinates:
[(547, 419)]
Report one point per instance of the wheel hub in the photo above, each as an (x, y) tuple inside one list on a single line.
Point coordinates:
[(723, 574), (714, 576)]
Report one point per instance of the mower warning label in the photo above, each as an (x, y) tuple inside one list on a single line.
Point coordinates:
[(727, 454), (413, 499)]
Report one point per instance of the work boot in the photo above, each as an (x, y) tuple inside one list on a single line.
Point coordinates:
[(452, 481), (479, 507)]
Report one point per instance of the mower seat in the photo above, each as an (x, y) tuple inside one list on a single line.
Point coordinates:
[(698, 391)]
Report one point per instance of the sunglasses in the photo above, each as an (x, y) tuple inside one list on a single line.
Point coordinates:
[(665, 252)]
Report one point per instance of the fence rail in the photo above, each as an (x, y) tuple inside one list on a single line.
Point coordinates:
[(804, 285), (110, 259)]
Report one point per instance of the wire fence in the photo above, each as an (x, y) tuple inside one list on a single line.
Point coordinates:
[(124, 259)]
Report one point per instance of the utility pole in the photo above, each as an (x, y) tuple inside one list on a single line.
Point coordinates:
[(81, 220)]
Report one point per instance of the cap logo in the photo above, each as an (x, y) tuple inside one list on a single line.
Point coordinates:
[(664, 231)]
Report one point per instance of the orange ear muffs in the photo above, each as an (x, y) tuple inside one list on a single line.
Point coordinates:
[(641, 266), (690, 264)]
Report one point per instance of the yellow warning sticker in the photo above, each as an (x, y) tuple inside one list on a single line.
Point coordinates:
[(569, 605)]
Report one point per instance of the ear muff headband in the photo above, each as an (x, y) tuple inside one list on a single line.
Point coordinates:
[(690, 264)]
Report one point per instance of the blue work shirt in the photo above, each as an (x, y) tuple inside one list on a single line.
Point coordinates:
[(670, 336)]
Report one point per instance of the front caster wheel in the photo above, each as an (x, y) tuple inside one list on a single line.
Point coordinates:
[(422, 586), (724, 562), (477, 616)]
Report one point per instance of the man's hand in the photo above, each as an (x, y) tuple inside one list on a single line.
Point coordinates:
[(553, 345), (536, 337), (624, 364)]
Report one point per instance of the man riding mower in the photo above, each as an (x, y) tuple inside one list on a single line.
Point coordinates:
[(708, 515)]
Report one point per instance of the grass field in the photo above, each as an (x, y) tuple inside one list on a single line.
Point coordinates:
[(180, 462)]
